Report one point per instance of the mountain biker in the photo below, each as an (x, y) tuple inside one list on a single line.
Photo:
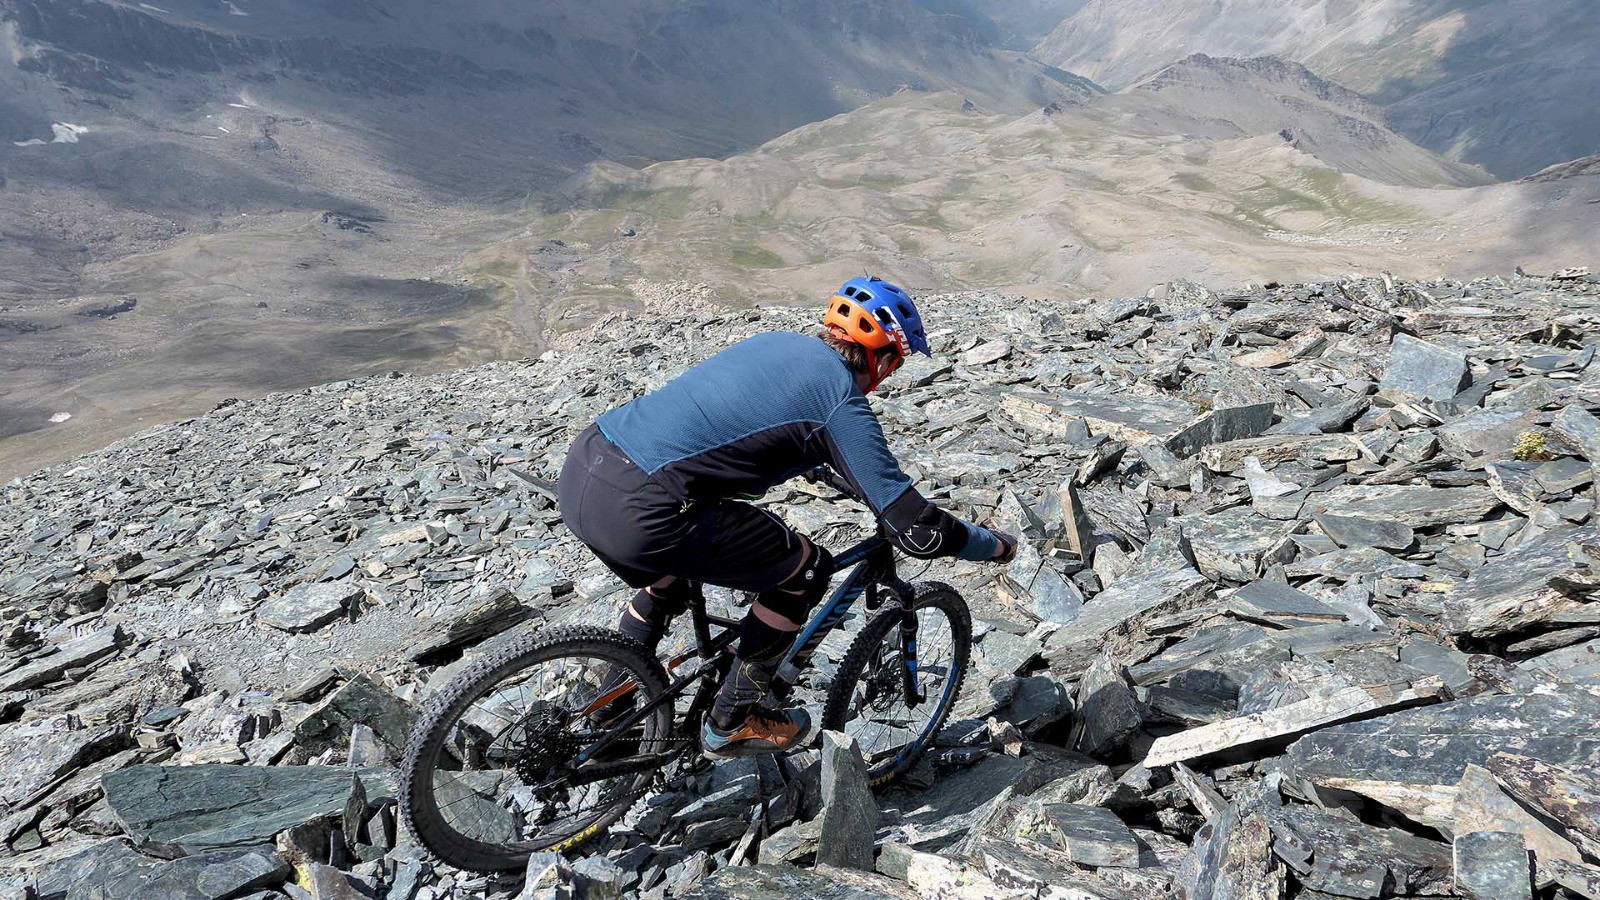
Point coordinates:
[(650, 487)]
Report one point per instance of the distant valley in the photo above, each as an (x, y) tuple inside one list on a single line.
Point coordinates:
[(205, 200)]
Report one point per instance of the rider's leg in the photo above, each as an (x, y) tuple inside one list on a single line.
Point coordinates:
[(645, 618), (766, 634)]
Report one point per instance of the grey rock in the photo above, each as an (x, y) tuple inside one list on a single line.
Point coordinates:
[(115, 873), (848, 830), (1359, 531), (766, 882), (36, 754), (1106, 710), (308, 607), (1089, 835), (1492, 865), (1418, 370), (226, 807), (1433, 745), (1418, 506), (1279, 604), (360, 701), (71, 655), (1521, 589)]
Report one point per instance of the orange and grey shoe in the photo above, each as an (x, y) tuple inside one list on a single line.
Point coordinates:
[(762, 731)]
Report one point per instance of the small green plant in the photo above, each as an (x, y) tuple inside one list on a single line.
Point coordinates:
[(1531, 447)]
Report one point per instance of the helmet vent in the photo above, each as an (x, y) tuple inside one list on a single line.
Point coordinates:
[(849, 292), (865, 325), (884, 317), (844, 309)]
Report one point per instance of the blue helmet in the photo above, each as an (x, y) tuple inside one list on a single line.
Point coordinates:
[(891, 306)]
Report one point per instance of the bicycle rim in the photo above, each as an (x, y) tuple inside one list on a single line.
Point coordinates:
[(496, 769), (868, 699)]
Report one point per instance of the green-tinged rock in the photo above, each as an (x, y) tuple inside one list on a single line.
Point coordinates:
[(213, 807)]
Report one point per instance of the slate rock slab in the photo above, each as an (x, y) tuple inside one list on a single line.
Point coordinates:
[(1089, 835), (1419, 370), (768, 882), (35, 754), (1434, 745), (126, 875), (849, 826), (1359, 531), (308, 607), (71, 655), (1492, 865), (215, 807), (1514, 592), (360, 701), (1417, 505)]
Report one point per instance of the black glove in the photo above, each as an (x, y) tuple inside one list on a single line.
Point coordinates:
[(1008, 546)]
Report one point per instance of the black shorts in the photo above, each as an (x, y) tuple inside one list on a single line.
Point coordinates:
[(643, 534)]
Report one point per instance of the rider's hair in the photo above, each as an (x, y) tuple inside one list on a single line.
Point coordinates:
[(855, 355)]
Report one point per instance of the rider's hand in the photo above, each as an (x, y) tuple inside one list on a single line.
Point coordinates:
[(1007, 551)]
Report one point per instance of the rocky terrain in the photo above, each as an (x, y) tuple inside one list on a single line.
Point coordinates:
[(1307, 610)]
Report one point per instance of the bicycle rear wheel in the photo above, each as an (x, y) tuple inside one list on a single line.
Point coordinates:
[(868, 697), (496, 767)]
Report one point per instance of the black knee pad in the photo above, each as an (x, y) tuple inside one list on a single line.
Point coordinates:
[(662, 604), (795, 596)]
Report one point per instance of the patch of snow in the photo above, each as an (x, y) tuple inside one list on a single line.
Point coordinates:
[(223, 130), (241, 106), (154, 9), (64, 133), (60, 417), (234, 10)]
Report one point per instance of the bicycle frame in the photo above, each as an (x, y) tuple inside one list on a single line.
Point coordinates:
[(874, 565)]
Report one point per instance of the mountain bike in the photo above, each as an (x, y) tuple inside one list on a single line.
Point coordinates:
[(507, 759)]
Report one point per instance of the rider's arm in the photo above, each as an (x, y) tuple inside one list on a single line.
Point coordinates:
[(855, 447)]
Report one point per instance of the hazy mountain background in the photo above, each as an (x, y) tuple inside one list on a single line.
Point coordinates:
[(215, 198), (1511, 85)]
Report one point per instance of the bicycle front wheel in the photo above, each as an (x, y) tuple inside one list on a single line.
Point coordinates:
[(503, 761), (869, 699)]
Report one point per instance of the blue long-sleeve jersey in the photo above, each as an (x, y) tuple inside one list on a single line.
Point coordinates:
[(767, 409)]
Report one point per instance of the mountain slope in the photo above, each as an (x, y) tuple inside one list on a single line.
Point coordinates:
[(1205, 97), (1506, 85)]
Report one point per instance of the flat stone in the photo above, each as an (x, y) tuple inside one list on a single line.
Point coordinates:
[(1316, 712), (483, 617), (1220, 426), (1492, 865), (1132, 421), (1122, 608), (1089, 835), (114, 872), (1269, 450), (765, 882), (1418, 506), (1564, 795), (71, 655), (1354, 563), (1237, 545), (1418, 370), (1359, 531), (360, 701), (1517, 591), (1435, 744), (1489, 434), (36, 754), (218, 807), (1478, 803), (848, 833), (308, 607), (1351, 859), (1280, 604)]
